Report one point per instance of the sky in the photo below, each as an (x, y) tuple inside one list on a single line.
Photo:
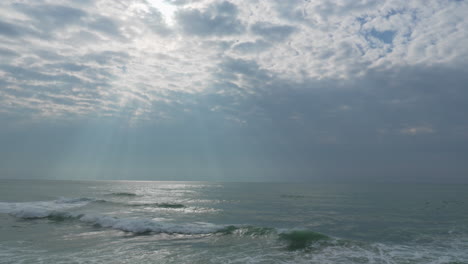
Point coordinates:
[(238, 90)]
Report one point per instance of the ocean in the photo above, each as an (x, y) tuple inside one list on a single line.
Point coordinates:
[(48, 221)]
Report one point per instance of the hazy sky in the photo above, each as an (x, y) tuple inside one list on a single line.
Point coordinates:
[(362, 90)]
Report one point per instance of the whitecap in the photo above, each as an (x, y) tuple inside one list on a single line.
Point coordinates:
[(41, 209), (142, 225)]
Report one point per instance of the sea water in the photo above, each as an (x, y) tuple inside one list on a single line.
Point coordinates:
[(201, 222)]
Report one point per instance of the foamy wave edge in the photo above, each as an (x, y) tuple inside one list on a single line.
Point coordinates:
[(41, 209), (52, 210), (133, 225)]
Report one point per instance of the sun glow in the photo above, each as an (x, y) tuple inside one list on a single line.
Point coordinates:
[(166, 9)]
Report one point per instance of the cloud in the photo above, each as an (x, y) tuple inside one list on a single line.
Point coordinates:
[(272, 32), (217, 19), (181, 2), (8, 53), (107, 57), (252, 47), (129, 47), (49, 17), (296, 77), (154, 20), (10, 30), (417, 130), (105, 25)]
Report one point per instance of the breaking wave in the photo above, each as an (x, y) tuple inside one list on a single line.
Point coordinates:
[(51, 211), (299, 239), (133, 225), (54, 210), (304, 246), (146, 226), (42, 209)]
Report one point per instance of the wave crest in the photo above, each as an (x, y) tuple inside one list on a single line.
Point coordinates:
[(123, 194), (299, 239)]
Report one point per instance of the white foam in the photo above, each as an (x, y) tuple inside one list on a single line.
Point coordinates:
[(75, 200), (30, 212), (138, 225), (41, 209)]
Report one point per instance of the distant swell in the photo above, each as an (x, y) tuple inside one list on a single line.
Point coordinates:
[(75, 200), (155, 205), (40, 208), (123, 194), (159, 205)]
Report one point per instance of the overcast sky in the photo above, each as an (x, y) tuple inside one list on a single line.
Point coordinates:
[(278, 90)]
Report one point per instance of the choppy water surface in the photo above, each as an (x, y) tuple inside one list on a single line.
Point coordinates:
[(198, 222)]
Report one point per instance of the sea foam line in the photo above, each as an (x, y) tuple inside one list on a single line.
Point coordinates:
[(55, 210), (41, 209), (52, 210)]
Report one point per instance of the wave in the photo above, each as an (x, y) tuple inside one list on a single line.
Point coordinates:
[(41, 209), (292, 196), (296, 239), (75, 200), (57, 211), (300, 239), (158, 205), (146, 226), (123, 194), (247, 230), (237, 251), (133, 225), (154, 205)]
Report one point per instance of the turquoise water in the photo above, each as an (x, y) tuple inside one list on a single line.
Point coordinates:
[(199, 222)]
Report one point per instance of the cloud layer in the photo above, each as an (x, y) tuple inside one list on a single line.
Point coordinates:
[(367, 76)]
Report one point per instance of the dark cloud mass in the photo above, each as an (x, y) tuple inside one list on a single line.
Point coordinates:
[(234, 90), (8, 53), (9, 30)]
